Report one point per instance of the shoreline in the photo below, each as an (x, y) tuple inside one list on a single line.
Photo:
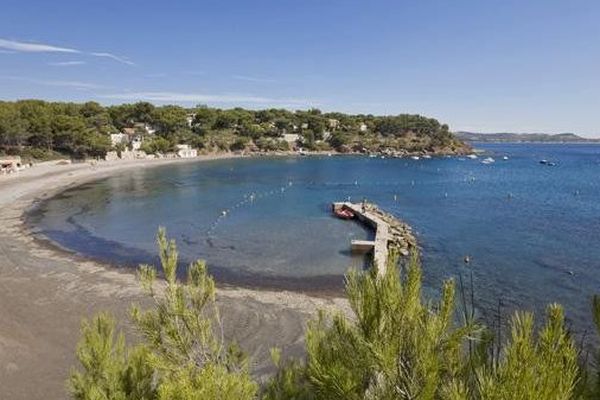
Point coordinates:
[(45, 292), (323, 286)]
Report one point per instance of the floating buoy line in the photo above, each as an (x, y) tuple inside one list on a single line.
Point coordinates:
[(247, 200), (251, 197)]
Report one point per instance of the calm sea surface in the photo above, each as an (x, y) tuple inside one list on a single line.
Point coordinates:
[(532, 231)]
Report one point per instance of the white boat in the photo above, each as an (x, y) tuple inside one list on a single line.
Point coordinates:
[(505, 158), (426, 156), (415, 157), (488, 160), (472, 156)]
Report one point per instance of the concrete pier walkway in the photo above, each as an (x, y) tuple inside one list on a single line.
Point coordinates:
[(389, 232)]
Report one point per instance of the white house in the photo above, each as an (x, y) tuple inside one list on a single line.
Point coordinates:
[(136, 142), (291, 138), (186, 151), (363, 127), (190, 119), (140, 127), (119, 138), (149, 130)]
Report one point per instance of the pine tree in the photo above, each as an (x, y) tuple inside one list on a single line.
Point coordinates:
[(183, 354), (110, 370), (395, 345), (530, 367), (185, 336)]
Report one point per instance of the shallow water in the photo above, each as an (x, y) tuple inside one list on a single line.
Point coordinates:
[(532, 231)]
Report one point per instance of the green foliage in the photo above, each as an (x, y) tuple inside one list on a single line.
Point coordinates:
[(182, 355), (169, 120), (289, 383), (589, 382), (13, 128), (110, 371), (82, 130), (36, 153), (239, 144), (395, 345), (396, 348), (157, 144), (533, 368), (339, 140)]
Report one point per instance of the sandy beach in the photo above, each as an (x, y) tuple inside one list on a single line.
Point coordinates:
[(44, 292)]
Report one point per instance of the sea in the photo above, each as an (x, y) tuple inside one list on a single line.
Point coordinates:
[(528, 223)]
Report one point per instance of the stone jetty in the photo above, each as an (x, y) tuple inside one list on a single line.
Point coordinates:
[(390, 233)]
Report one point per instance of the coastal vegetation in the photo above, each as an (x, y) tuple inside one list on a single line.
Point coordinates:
[(395, 345), (37, 129)]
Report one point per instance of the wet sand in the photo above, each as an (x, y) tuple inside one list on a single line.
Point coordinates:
[(45, 293)]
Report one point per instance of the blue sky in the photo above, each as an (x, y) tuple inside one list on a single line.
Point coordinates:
[(481, 65)]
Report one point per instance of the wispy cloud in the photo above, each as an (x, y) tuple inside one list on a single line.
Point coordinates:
[(59, 83), (253, 79), (122, 60), (155, 75), (34, 47), (71, 84), (174, 97), (66, 63), (24, 47)]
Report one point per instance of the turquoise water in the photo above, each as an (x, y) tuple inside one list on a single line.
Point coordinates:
[(532, 231)]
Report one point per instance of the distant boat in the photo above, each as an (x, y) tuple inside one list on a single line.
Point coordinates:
[(415, 157), (505, 158), (488, 160), (472, 156), (372, 155), (544, 162), (426, 156)]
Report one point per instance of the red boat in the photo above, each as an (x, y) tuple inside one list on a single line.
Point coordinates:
[(343, 213)]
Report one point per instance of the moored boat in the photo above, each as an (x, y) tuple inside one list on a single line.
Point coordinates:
[(343, 213)]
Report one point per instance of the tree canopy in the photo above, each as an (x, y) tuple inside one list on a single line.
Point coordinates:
[(82, 130)]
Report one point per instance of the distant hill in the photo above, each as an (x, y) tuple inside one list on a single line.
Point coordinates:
[(523, 137)]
